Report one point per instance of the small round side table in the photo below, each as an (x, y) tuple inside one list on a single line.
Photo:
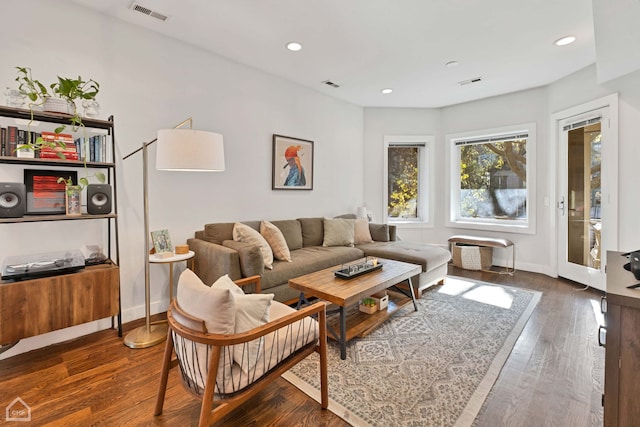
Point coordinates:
[(170, 261)]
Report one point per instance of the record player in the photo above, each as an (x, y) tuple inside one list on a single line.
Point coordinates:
[(30, 266)]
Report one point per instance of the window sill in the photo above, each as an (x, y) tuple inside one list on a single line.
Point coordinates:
[(411, 224), (491, 226)]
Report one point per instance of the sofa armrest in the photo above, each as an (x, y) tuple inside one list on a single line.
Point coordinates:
[(213, 261), (251, 262)]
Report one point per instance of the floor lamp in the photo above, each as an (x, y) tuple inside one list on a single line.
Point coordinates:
[(178, 149)]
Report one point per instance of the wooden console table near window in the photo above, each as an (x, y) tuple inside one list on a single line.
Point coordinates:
[(622, 342), (347, 293), (171, 260)]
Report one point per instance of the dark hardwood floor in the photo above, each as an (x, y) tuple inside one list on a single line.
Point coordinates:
[(553, 377)]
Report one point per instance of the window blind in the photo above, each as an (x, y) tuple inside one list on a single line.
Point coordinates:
[(494, 138), (582, 124)]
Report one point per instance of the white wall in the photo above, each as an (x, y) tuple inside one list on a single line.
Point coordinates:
[(149, 82)]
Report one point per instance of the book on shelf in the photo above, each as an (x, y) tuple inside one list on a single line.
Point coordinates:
[(3, 141), (24, 152), (12, 140)]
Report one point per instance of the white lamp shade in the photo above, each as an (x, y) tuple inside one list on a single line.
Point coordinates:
[(189, 150)]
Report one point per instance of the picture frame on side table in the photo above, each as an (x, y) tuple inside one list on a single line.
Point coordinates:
[(161, 242), (45, 195), (292, 163)]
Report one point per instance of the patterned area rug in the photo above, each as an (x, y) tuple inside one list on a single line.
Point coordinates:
[(433, 367)]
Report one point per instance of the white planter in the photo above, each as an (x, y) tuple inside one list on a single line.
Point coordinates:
[(57, 105)]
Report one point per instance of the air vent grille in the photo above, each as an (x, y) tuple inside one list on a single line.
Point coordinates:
[(468, 82), (330, 83), (145, 10)]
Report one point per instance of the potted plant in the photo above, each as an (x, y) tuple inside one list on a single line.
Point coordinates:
[(368, 305), (60, 96)]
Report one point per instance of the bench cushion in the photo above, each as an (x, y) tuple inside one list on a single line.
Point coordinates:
[(481, 241)]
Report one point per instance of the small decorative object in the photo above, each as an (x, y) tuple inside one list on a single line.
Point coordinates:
[(46, 190), (162, 243), (368, 305), (72, 200), (91, 107), (14, 98), (381, 299), (349, 271), (182, 249), (292, 167)]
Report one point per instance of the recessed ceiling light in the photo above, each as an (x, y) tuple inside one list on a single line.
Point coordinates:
[(294, 46), (452, 64), (565, 41), (386, 91)]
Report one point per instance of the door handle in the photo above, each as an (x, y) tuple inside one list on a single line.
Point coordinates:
[(602, 336), (561, 205)]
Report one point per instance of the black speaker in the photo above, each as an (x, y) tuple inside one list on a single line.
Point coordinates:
[(12, 199), (98, 199)]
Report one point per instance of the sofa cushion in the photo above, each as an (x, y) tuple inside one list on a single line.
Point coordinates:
[(246, 234), (312, 231), (362, 233), (428, 256), (276, 241), (308, 260), (292, 232), (218, 232), (338, 232), (379, 232), (251, 262)]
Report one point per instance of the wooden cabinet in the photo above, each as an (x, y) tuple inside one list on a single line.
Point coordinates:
[(36, 306), (622, 354)]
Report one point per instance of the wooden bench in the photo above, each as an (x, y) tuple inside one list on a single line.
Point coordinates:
[(488, 242)]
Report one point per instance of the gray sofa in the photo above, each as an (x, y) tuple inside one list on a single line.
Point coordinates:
[(217, 254)]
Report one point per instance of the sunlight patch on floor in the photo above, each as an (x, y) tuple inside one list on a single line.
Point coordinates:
[(486, 294)]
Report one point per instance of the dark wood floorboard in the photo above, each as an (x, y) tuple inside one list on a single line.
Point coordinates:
[(553, 377)]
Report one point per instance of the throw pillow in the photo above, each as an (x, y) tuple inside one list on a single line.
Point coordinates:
[(246, 234), (379, 232), (213, 305), (339, 232), (251, 311), (216, 308), (362, 233), (276, 241)]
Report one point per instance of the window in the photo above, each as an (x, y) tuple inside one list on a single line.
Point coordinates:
[(407, 168), (492, 179)]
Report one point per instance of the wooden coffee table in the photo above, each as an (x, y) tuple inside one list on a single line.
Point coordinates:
[(346, 293)]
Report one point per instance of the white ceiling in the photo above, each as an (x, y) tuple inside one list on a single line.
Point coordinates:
[(367, 45)]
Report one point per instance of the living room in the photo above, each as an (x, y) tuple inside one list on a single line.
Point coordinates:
[(150, 82)]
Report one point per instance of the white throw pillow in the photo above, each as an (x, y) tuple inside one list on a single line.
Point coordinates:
[(213, 305), (362, 233), (251, 311), (244, 233), (339, 232), (276, 241), (217, 308)]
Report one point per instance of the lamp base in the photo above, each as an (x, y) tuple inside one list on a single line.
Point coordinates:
[(142, 337)]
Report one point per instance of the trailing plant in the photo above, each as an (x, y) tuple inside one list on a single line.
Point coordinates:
[(68, 89)]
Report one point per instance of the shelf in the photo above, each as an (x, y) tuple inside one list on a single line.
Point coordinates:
[(61, 217), (64, 119), (54, 162)]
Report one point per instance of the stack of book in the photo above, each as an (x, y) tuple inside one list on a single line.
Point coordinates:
[(64, 146)]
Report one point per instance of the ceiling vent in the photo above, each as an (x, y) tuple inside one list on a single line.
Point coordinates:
[(145, 10), (330, 83), (468, 82)]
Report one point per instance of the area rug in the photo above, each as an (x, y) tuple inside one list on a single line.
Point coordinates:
[(433, 367)]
